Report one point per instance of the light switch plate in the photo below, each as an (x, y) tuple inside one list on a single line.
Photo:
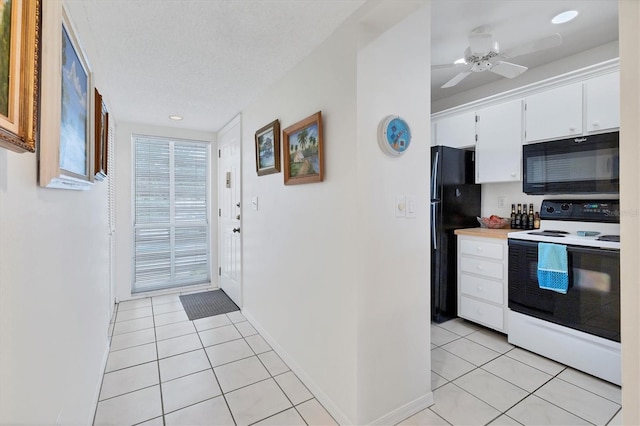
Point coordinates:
[(400, 206), (411, 206)]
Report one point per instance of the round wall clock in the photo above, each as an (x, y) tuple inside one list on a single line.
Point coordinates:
[(394, 135)]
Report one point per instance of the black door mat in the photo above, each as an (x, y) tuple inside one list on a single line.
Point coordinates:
[(207, 304)]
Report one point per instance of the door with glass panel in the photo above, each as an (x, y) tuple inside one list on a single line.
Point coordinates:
[(171, 217)]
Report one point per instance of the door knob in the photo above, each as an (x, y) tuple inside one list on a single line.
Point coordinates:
[(238, 204), (238, 217), (236, 230)]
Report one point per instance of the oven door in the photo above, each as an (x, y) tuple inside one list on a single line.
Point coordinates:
[(592, 303)]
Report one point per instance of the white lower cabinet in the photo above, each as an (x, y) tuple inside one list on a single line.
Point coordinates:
[(482, 281)]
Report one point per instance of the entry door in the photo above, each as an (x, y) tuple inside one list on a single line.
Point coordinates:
[(229, 220)]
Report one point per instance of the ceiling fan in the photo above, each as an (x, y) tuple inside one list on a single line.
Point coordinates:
[(483, 54)]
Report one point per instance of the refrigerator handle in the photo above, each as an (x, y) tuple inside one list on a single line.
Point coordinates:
[(434, 176), (434, 238)]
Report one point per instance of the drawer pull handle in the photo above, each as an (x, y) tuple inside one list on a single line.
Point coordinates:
[(479, 267), (478, 248), (480, 289)]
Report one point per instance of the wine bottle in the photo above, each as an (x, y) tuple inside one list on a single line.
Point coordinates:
[(519, 217), (513, 216), (530, 219), (524, 221), (536, 221)]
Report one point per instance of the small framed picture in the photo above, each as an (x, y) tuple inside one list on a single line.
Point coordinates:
[(101, 137), (303, 151), (268, 149)]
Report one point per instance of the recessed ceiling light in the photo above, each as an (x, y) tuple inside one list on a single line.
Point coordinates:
[(565, 16), (460, 61), (175, 117)]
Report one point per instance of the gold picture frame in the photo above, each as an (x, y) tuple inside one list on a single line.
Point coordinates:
[(101, 126), (19, 101), (66, 148), (303, 151)]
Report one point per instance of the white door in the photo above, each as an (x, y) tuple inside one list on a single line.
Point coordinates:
[(229, 195)]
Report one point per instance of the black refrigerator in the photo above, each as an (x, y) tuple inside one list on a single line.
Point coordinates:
[(455, 204)]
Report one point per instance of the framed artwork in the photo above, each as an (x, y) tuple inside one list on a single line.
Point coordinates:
[(101, 136), (19, 82), (268, 149), (303, 151), (67, 132)]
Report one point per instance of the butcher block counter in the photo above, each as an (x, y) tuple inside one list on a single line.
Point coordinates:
[(485, 232)]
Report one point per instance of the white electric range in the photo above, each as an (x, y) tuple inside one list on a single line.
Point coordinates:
[(582, 327)]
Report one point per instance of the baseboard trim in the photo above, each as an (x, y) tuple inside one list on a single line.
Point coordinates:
[(96, 393), (323, 398), (406, 411)]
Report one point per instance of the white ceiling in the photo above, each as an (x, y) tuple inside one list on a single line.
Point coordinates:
[(513, 23), (208, 59), (203, 59)]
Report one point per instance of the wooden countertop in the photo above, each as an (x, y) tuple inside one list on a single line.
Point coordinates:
[(485, 232)]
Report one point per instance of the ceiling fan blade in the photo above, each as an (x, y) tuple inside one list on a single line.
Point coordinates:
[(448, 66), (480, 43), (507, 69), (533, 46), (457, 79)]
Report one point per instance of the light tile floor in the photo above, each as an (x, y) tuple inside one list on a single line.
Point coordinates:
[(478, 378), (166, 370)]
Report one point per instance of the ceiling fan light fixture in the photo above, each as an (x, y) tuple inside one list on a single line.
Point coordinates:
[(175, 117), (565, 16), (460, 61)]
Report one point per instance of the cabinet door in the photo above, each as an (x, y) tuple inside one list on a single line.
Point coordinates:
[(457, 131), (603, 102), (554, 114), (499, 145)]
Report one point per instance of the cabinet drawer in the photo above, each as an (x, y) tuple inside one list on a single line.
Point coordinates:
[(484, 313), (482, 288), (482, 267), (482, 248)]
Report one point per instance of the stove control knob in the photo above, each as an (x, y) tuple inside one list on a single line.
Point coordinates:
[(550, 209), (565, 206)]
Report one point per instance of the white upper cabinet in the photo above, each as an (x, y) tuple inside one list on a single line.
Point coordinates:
[(499, 144), (603, 102), (456, 131), (554, 114)]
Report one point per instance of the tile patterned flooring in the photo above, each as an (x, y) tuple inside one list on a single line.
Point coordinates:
[(166, 370), (478, 378)]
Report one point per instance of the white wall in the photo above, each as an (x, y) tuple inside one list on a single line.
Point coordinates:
[(335, 282), (299, 247), (394, 367), (54, 296), (630, 206), (123, 190)]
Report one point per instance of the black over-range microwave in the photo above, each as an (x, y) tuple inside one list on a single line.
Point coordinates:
[(580, 165)]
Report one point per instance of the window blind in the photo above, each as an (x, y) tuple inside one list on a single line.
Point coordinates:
[(171, 230)]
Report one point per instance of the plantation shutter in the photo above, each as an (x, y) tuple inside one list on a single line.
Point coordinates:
[(171, 227)]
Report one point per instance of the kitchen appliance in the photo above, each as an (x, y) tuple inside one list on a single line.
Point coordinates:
[(582, 165), (455, 204), (483, 54), (582, 327)]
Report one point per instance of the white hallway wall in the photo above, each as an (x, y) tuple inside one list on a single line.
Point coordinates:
[(54, 292), (329, 273), (54, 296)]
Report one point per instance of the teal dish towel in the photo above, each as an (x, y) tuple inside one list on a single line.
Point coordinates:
[(553, 271)]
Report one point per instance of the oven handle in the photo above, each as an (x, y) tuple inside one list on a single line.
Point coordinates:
[(570, 247)]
